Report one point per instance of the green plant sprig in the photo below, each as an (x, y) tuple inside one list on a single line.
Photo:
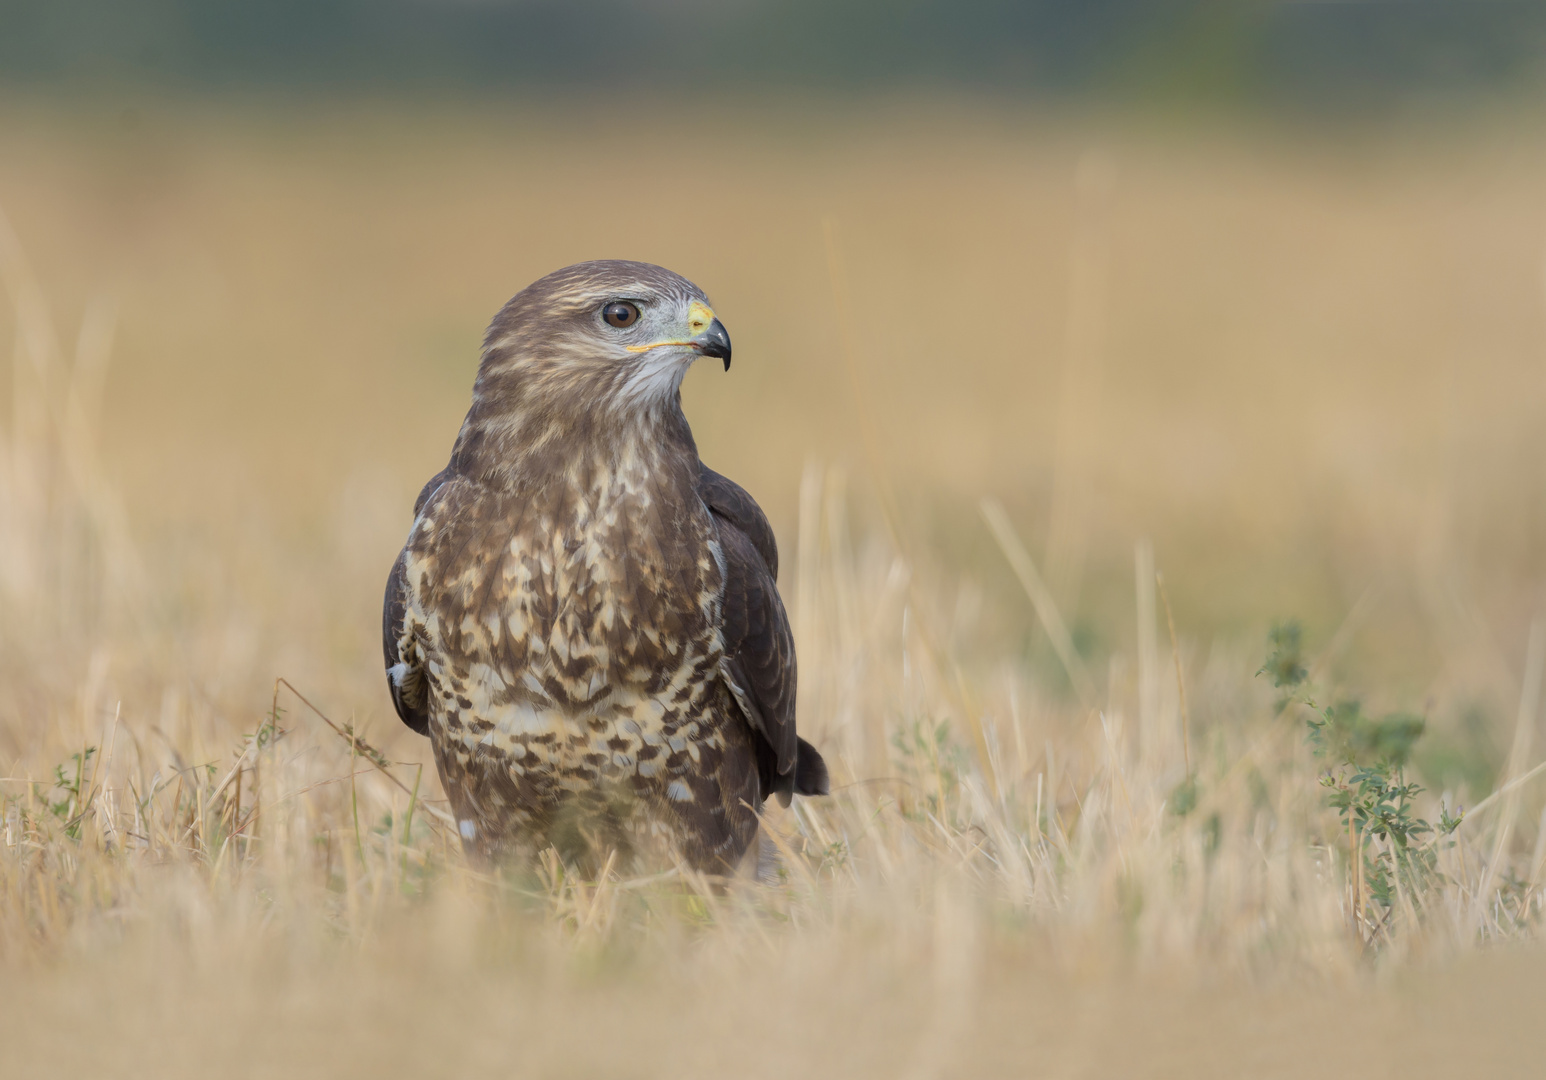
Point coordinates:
[(1364, 771)]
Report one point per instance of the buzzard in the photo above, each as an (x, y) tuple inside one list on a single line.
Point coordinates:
[(584, 619)]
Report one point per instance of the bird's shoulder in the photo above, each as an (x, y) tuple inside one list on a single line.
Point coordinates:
[(733, 504), (451, 506), (428, 491)]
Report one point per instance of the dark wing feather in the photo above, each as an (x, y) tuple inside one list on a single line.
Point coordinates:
[(759, 648), (405, 680), (731, 502)]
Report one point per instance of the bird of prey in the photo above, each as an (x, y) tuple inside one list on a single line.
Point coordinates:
[(584, 619)]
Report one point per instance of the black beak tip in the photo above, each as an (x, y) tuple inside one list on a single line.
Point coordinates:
[(716, 342)]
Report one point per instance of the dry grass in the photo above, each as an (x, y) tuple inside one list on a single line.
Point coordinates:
[(1296, 377)]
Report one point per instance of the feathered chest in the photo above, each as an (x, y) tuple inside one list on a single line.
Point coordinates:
[(581, 596)]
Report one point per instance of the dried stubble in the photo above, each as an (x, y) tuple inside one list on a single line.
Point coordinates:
[(1255, 370)]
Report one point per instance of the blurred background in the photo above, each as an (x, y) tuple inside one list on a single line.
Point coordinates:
[(1321, 54), (1254, 290), (1260, 281)]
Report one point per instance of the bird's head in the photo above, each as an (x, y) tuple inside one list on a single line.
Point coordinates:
[(589, 358), (607, 336)]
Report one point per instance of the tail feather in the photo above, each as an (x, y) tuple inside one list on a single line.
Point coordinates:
[(810, 771), (808, 777)]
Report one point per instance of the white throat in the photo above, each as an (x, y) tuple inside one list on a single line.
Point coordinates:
[(657, 376)]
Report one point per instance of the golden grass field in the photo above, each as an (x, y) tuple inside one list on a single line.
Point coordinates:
[(993, 370)]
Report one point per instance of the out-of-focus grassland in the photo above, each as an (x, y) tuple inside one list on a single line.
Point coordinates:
[(1300, 374)]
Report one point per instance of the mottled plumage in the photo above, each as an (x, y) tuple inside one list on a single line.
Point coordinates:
[(584, 619)]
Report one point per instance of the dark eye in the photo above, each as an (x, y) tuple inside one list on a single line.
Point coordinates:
[(620, 313)]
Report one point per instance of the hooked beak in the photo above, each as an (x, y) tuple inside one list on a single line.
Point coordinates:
[(715, 341)]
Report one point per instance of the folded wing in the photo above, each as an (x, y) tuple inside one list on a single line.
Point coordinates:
[(759, 660), (405, 676)]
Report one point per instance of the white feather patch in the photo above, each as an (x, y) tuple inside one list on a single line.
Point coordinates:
[(397, 673), (657, 375)]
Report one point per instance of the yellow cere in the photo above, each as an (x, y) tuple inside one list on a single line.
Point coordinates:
[(699, 316)]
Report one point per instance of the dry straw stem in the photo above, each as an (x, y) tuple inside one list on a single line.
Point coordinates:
[(54, 423), (1041, 599), (1507, 788), (1175, 652), (359, 746), (1524, 730), (1079, 385), (1148, 655)]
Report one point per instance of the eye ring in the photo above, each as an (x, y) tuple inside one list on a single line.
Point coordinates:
[(620, 313)]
